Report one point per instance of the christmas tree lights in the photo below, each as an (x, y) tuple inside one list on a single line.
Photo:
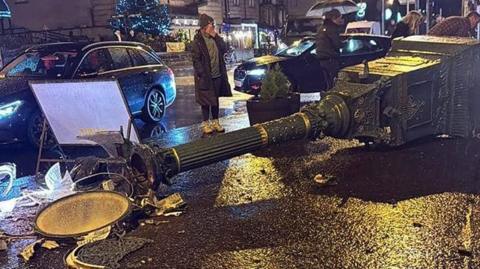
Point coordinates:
[(147, 16)]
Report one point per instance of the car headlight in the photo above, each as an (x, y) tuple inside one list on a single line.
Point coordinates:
[(9, 109), (256, 72)]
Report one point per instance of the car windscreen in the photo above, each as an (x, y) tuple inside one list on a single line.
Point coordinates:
[(357, 46), (296, 49), (302, 27), (46, 64), (360, 30)]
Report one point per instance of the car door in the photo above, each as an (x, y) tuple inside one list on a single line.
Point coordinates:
[(306, 72), (132, 82)]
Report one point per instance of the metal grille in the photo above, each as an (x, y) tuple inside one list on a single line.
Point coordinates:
[(110, 252)]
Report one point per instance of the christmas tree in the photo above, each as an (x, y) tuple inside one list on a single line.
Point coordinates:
[(146, 16), (4, 10)]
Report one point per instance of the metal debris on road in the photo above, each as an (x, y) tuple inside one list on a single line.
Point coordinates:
[(174, 213), (50, 244), (325, 180), (108, 185), (95, 236), (163, 206), (155, 222), (28, 251), (105, 253), (82, 213)]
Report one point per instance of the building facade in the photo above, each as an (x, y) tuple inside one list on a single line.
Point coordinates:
[(85, 17), (298, 8), (273, 13), (239, 20)]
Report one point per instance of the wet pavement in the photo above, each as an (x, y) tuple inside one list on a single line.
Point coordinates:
[(410, 207), (415, 206)]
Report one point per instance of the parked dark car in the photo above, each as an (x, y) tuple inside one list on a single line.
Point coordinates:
[(299, 64), (147, 84)]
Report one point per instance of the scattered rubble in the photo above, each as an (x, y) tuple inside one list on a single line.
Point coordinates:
[(95, 186), (50, 244), (95, 236), (325, 180), (174, 213), (29, 250)]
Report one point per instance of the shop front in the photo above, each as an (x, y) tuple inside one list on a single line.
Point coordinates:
[(242, 37)]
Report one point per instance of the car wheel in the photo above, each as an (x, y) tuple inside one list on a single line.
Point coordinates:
[(34, 132), (155, 106), (155, 130)]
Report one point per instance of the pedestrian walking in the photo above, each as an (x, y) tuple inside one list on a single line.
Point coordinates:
[(210, 73), (408, 25), (329, 44), (456, 26)]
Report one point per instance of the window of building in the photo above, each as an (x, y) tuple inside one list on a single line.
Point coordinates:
[(236, 2), (251, 3)]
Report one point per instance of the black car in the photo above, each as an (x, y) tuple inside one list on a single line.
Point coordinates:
[(299, 64), (148, 84)]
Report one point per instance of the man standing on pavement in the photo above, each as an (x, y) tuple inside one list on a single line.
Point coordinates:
[(329, 44), (456, 26), (210, 73)]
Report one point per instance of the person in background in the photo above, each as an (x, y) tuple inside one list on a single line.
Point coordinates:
[(329, 44), (118, 35), (408, 25), (456, 26), (210, 73), (48, 63), (131, 36)]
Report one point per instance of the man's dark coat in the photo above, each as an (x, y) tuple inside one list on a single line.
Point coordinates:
[(204, 87)]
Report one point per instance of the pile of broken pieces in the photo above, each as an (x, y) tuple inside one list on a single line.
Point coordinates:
[(94, 241)]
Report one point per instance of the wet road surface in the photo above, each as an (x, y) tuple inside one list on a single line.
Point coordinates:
[(416, 206)]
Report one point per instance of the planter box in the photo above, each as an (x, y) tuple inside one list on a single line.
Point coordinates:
[(261, 111)]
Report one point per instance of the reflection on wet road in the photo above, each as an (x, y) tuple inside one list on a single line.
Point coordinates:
[(395, 208), (415, 206)]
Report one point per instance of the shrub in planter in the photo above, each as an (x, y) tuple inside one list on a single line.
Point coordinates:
[(275, 99)]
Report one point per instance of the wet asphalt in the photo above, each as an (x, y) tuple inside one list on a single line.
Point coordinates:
[(415, 206)]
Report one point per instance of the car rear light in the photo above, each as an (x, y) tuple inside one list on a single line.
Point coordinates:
[(256, 86)]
